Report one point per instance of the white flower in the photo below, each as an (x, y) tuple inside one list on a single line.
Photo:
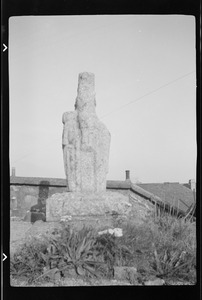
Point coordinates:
[(116, 231)]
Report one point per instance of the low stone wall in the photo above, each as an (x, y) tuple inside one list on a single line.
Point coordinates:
[(28, 191)]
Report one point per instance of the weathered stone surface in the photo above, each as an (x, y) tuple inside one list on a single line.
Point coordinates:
[(98, 222), (85, 204), (85, 142)]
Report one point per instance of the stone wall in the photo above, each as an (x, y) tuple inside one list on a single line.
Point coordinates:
[(28, 191)]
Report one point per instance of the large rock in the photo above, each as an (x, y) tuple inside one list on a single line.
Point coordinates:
[(86, 142), (81, 204)]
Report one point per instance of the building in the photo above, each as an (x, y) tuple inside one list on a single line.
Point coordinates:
[(31, 192)]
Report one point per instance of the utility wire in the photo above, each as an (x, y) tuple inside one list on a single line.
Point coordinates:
[(145, 95), (117, 109)]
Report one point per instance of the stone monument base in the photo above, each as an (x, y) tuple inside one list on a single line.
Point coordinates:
[(72, 204)]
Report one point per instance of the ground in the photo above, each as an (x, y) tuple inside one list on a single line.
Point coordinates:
[(19, 231)]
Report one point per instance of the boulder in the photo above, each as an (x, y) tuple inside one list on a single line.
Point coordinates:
[(74, 204)]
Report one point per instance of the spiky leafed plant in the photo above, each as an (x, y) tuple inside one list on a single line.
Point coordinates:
[(81, 252), (172, 263), (69, 249), (28, 261), (76, 250), (114, 251), (174, 247)]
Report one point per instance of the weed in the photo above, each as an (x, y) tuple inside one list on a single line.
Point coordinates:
[(164, 246), (28, 261), (69, 250), (174, 247), (173, 263)]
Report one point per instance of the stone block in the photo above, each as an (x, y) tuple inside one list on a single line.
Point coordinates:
[(80, 204)]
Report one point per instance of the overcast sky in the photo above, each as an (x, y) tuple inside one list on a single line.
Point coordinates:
[(145, 85)]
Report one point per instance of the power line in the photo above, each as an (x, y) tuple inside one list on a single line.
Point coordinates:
[(117, 109), (145, 95)]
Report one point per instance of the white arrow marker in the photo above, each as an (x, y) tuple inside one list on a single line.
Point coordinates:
[(5, 47), (4, 256)]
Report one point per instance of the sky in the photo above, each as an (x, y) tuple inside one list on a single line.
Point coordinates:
[(145, 83)]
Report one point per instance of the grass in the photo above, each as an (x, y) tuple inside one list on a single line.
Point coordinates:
[(174, 246), (164, 247)]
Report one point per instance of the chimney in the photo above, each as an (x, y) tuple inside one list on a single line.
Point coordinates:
[(127, 174), (13, 172), (192, 184)]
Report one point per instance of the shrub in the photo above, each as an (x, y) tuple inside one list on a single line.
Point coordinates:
[(164, 245), (28, 261), (114, 251), (79, 250), (174, 247), (170, 263), (68, 250)]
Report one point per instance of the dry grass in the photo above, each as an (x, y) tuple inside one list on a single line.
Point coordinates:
[(164, 246)]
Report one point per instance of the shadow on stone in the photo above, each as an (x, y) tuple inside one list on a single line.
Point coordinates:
[(38, 211)]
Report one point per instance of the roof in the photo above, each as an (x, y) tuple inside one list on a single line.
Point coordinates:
[(60, 182), (174, 194), (17, 180)]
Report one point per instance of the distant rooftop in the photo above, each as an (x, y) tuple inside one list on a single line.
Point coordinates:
[(180, 196), (171, 192)]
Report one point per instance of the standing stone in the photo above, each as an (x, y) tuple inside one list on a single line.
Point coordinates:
[(86, 142)]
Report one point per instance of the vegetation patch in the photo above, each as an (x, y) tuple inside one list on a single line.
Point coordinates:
[(163, 247)]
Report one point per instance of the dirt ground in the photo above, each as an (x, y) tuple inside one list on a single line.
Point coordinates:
[(18, 230)]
